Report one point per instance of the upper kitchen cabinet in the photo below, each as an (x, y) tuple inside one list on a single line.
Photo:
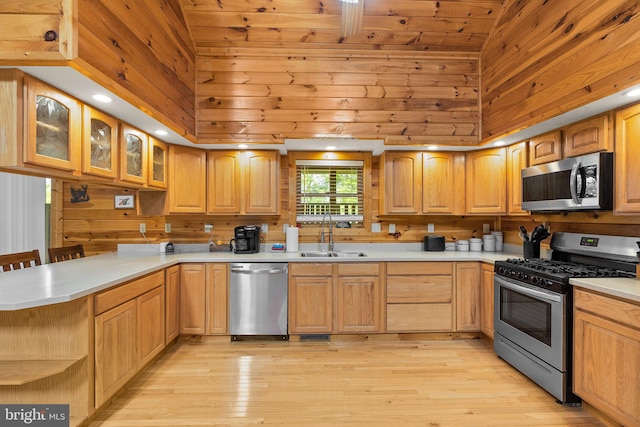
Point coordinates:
[(400, 183), (187, 189), (589, 136), (243, 182), (442, 181), (545, 148), (53, 123), (99, 144), (486, 178), (134, 146), (517, 159), (627, 172), (158, 153)]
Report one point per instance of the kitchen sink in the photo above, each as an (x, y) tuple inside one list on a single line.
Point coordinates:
[(332, 254)]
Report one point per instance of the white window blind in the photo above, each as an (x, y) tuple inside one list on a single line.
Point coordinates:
[(335, 186)]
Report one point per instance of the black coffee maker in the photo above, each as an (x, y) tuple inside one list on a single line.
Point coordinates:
[(246, 239)]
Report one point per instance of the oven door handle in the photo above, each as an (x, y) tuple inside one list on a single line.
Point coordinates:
[(545, 296)]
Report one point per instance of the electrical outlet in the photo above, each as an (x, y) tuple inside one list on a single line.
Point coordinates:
[(486, 228), (143, 227), (431, 228), (375, 227), (167, 228), (392, 228), (208, 228), (264, 228)]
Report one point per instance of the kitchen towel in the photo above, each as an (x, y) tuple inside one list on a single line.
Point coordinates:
[(292, 239)]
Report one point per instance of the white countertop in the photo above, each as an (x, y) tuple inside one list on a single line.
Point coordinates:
[(66, 281)]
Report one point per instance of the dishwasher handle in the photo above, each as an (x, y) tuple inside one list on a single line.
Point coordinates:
[(260, 271)]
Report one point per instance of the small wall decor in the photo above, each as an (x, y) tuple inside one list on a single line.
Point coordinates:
[(79, 195), (124, 201)]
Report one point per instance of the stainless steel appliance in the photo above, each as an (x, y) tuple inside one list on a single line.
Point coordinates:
[(575, 183), (246, 239), (533, 304), (258, 300)]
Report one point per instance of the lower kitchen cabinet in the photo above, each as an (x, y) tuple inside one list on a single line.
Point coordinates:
[(467, 297), (204, 298), (486, 299), (172, 303), (129, 332), (419, 296), (310, 298), (607, 355), (359, 299)]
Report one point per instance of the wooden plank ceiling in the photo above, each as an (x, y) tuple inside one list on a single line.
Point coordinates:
[(274, 69)]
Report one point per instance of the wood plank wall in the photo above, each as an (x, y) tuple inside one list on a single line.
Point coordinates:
[(100, 227), (266, 95), (544, 58), (143, 52)]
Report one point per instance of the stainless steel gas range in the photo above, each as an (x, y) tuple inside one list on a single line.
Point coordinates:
[(533, 304)]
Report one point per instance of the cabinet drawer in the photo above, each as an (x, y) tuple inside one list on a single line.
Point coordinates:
[(114, 297), (413, 268), (359, 269), (419, 317), (310, 269), (419, 289), (612, 308)]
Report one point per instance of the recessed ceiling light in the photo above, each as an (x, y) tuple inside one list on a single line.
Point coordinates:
[(498, 143), (432, 147), (633, 93), (101, 98), (161, 132), (243, 146), (330, 147)]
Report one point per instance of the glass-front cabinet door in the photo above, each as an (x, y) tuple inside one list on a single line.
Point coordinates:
[(100, 143), (157, 163), (53, 127), (133, 160)]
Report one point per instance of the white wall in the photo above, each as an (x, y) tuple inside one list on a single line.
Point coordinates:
[(22, 214)]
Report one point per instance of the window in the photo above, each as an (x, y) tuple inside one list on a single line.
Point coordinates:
[(335, 186)]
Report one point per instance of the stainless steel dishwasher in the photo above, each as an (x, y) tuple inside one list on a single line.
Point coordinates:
[(258, 300)]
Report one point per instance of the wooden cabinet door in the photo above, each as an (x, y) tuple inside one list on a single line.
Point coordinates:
[(545, 148), (486, 178), (150, 321), (99, 143), (486, 300), (627, 172), (401, 183), (588, 136), (359, 298), (443, 183), (172, 303), (310, 303), (261, 186), (192, 299), (607, 366), (54, 122), (116, 350), (187, 180), (217, 297), (223, 178), (467, 297), (134, 149), (158, 154), (517, 159)]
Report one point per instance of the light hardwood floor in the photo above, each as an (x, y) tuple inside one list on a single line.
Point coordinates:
[(368, 383)]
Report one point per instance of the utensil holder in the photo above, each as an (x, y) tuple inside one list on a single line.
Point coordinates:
[(530, 250)]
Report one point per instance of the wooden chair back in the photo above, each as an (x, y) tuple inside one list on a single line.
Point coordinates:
[(66, 253), (19, 260)]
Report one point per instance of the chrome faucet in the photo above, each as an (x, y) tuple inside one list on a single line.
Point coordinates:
[(330, 246)]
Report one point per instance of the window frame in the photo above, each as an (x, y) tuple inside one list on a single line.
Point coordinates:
[(366, 158)]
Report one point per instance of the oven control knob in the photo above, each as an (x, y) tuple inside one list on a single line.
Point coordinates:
[(521, 276), (535, 280), (502, 270)]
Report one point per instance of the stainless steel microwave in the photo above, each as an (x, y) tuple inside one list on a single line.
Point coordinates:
[(575, 183)]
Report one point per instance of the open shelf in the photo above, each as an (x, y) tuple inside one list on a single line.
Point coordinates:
[(20, 372)]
